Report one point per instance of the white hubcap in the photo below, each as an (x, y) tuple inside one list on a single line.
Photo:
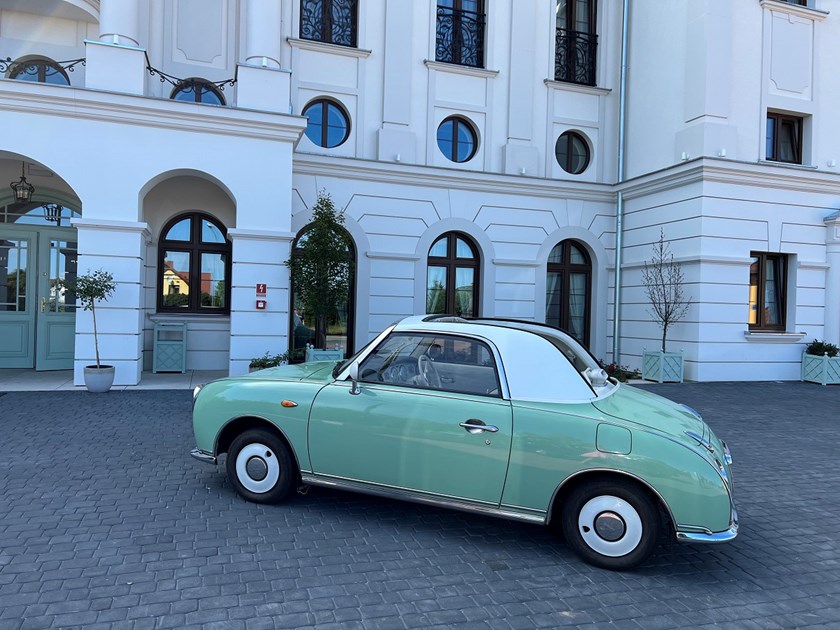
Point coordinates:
[(610, 526), (257, 468)]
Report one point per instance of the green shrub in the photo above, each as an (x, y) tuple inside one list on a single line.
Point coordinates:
[(267, 361), (819, 348)]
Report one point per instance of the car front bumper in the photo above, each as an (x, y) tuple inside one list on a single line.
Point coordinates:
[(712, 537), (203, 456)]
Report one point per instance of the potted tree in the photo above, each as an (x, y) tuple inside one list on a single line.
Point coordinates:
[(91, 288), (664, 283), (820, 363), (321, 271)]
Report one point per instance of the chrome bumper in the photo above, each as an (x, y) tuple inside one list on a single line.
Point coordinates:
[(202, 456), (709, 537)]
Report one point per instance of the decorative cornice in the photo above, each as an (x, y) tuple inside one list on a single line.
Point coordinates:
[(562, 86), (259, 235), (456, 179), (454, 68), (392, 256), (510, 262), (332, 49), (808, 13), (75, 103), (110, 225)]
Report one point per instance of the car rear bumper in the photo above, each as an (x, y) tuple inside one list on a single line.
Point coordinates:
[(712, 537), (203, 456)]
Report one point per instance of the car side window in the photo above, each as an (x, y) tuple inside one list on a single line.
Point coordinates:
[(447, 363)]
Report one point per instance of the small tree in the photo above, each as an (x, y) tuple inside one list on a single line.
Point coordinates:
[(664, 281), (90, 288), (320, 265)]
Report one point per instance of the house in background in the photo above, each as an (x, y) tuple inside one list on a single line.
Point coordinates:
[(474, 146)]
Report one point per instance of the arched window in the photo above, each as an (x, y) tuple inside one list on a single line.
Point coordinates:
[(452, 278), (197, 91), (335, 330), (568, 289), (39, 70), (194, 265)]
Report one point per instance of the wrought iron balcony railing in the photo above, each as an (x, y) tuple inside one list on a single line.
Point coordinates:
[(330, 21), (575, 56), (460, 37)]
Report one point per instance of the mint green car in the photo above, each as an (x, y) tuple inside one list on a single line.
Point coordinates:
[(497, 417)]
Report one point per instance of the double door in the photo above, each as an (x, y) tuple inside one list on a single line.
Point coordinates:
[(37, 315)]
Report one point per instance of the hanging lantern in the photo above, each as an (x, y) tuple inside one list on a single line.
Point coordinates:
[(23, 189)]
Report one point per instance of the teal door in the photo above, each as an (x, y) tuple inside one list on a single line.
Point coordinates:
[(37, 318), (56, 318), (18, 260), (416, 427)]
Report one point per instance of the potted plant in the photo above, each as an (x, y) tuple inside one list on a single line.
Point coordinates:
[(91, 288), (820, 363), (664, 283), (320, 272), (267, 361)]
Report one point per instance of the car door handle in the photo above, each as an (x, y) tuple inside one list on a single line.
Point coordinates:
[(477, 426)]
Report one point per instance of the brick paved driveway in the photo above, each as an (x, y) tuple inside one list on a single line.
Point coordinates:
[(105, 521)]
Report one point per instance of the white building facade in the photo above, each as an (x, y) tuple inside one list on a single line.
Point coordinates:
[(473, 146)]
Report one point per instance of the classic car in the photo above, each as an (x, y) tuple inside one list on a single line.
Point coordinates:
[(498, 417)]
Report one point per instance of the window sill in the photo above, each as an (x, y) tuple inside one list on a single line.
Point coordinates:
[(773, 337), (576, 87), (336, 49), (459, 69), (794, 9), (798, 167), (188, 317)]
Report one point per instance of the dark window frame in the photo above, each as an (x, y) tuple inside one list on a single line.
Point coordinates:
[(326, 103), (576, 52), (451, 262), (323, 31), (781, 290), (774, 153), (199, 87), (570, 136), (320, 335), (195, 247), (454, 49), (456, 122), (565, 268)]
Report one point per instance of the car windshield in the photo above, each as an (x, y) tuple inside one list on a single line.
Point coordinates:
[(343, 364)]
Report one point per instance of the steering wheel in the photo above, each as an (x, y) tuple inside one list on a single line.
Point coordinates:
[(428, 371)]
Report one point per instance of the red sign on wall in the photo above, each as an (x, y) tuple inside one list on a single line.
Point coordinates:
[(261, 305), (261, 290)]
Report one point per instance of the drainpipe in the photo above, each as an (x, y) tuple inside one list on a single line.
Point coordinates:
[(619, 212)]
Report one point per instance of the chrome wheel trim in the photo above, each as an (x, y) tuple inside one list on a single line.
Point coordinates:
[(272, 468), (598, 512)]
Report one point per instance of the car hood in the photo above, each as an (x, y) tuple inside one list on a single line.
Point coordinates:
[(320, 371), (641, 407)]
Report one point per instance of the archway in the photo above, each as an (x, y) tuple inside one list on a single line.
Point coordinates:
[(38, 254)]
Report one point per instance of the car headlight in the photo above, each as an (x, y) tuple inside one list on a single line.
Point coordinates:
[(196, 391)]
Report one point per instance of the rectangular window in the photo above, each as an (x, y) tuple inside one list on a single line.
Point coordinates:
[(768, 288), (460, 32), (783, 138), (329, 21), (575, 42)]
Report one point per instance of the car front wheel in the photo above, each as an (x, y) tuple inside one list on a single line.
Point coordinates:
[(611, 524), (260, 467)]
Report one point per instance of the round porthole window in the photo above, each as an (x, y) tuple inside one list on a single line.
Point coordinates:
[(572, 152), (457, 139), (329, 124)]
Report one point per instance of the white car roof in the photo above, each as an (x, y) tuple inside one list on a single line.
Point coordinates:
[(535, 369)]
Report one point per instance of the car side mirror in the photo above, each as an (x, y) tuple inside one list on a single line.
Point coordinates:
[(354, 378)]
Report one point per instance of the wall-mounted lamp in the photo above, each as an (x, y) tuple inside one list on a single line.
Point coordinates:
[(722, 153), (397, 158), (52, 212), (831, 163), (523, 170), (684, 156)]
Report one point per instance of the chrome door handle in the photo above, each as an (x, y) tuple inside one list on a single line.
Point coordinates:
[(43, 305), (477, 426)]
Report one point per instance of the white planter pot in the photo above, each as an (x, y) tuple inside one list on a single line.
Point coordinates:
[(98, 380), (820, 369), (662, 367)]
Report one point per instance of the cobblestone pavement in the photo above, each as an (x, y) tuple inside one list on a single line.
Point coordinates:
[(105, 521)]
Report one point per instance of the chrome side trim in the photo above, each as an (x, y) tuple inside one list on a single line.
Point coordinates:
[(710, 537), (727, 455), (203, 456), (390, 492)]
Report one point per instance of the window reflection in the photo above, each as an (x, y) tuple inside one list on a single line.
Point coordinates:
[(13, 274)]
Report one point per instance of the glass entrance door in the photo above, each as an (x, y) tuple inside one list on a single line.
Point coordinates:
[(37, 316)]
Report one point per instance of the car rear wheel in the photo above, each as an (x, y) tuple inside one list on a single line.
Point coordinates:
[(611, 524), (260, 466)]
